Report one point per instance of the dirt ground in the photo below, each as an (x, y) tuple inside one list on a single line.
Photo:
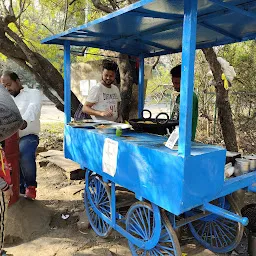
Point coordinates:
[(71, 237)]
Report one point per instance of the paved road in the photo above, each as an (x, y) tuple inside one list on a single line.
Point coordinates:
[(50, 113)]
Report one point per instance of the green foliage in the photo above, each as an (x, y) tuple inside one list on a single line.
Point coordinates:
[(159, 86)]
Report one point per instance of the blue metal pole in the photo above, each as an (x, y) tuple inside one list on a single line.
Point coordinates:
[(141, 87), (67, 89), (187, 76), (113, 204), (225, 214)]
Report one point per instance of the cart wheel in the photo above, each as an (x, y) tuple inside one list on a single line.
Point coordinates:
[(99, 193), (216, 233), (140, 224)]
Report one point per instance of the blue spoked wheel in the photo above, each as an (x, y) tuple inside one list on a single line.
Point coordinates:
[(140, 224), (216, 233), (99, 193)]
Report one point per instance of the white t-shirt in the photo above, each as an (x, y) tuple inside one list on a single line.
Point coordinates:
[(105, 99), (29, 103)]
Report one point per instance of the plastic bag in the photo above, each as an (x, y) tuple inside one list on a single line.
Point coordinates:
[(227, 69)]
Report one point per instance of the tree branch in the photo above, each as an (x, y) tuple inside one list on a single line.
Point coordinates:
[(72, 2), (113, 4), (22, 9), (66, 15), (48, 28), (5, 11), (156, 62), (11, 9), (101, 7)]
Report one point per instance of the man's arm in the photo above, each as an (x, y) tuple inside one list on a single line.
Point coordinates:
[(34, 107), (87, 108)]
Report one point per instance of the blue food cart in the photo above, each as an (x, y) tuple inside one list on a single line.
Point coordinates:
[(174, 187)]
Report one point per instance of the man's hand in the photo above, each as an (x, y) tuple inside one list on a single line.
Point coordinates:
[(106, 113), (24, 125), (8, 193)]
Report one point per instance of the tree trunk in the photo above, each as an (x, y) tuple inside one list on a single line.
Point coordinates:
[(222, 101), (45, 73), (126, 84)]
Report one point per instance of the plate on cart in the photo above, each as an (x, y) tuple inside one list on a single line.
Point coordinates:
[(82, 125), (95, 121), (111, 128), (88, 123)]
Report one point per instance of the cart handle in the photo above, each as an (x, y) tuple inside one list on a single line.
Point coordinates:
[(146, 111), (224, 213)]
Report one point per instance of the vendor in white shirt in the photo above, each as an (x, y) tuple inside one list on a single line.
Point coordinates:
[(28, 102), (104, 98)]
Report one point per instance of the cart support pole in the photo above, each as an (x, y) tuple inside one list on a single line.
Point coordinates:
[(141, 86), (113, 204), (67, 90), (225, 214), (187, 76)]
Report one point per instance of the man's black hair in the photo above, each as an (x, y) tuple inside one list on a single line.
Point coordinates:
[(109, 65), (176, 71), (14, 77)]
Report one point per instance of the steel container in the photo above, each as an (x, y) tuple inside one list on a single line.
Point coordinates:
[(242, 166), (252, 161)]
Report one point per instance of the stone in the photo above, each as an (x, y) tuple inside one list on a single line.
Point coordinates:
[(51, 153), (43, 163)]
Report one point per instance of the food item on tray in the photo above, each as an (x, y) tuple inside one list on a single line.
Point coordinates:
[(118, 131), (145, 122)]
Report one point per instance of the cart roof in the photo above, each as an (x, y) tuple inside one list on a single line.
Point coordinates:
[(154, 27)]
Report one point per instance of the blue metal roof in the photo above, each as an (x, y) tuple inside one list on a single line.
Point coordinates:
[(154, 27)]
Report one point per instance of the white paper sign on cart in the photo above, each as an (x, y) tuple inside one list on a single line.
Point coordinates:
[(109, 159)]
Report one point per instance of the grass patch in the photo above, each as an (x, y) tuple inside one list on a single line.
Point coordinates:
[(52, 128), (51, 135)]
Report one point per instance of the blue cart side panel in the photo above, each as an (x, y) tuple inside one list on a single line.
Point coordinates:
[(203, 178), (149, 169), (151, 174)]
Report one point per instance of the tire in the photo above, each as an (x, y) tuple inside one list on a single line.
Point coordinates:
[(140, 224), (99, 193), (216, 233)]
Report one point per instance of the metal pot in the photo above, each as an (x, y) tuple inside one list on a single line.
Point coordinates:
[(242, 166), (153, 125), (252, 161)]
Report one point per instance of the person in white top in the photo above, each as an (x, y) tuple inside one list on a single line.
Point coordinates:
[(29, 103), (104, 98)]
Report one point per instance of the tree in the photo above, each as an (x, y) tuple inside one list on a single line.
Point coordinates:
[(28, 53), (222, 101)]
